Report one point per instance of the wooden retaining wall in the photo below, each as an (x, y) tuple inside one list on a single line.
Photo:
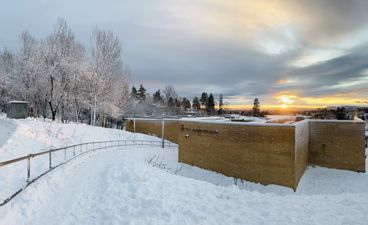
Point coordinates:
[(337, 144), (258, 153), (265, 153)]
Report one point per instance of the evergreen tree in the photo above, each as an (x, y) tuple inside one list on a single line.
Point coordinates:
[(157, 98), (256, 108), (185, 103), (196, 105), (211, 104), (170, 105), (141, 93), (134, 92), (221, 105), (177, 103), (204, 100), (221, 101), (341, 113)]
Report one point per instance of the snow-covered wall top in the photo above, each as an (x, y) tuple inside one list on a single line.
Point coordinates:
[(337, 121), (289, 121), (217, 120), (231, 123)]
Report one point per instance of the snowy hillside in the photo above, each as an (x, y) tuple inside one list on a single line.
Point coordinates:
[(21, 137), (146, 185)]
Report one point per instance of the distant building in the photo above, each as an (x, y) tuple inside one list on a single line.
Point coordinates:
[(191, 112), (17, 109)]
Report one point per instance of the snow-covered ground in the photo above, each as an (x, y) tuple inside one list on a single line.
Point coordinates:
[(146, 185), (22, 137)]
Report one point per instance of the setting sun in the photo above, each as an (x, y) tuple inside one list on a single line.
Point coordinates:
[(286, 99), (283, 106)]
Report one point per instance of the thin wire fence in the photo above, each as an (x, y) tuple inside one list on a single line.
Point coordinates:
[(59, 156)]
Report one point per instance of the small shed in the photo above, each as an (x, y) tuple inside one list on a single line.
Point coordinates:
[(17, 109)]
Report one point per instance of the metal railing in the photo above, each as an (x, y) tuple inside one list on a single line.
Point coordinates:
[(74, 151)]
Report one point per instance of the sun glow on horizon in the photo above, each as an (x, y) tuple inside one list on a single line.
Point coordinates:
[(286, 100)]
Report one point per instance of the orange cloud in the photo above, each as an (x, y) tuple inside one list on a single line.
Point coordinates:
[(333, 100), (286, 100), (283, 81)]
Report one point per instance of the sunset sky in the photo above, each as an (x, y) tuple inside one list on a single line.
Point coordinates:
[(287, 53)]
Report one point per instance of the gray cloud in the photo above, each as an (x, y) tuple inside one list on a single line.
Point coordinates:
[(323, 77), (329, 20), (214, 45)]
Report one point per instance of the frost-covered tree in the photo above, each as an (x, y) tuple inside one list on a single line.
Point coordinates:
[(60, 79), (29, 74), (106, 82), (6, 69), (169, 92), (170, 97), (63, 56), (27, 64)]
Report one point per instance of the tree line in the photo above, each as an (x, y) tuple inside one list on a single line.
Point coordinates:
[(168, 102), (61, 78), (159, 103)]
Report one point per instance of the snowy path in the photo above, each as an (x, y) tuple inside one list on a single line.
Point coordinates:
[(121, 187), (22, 137)]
